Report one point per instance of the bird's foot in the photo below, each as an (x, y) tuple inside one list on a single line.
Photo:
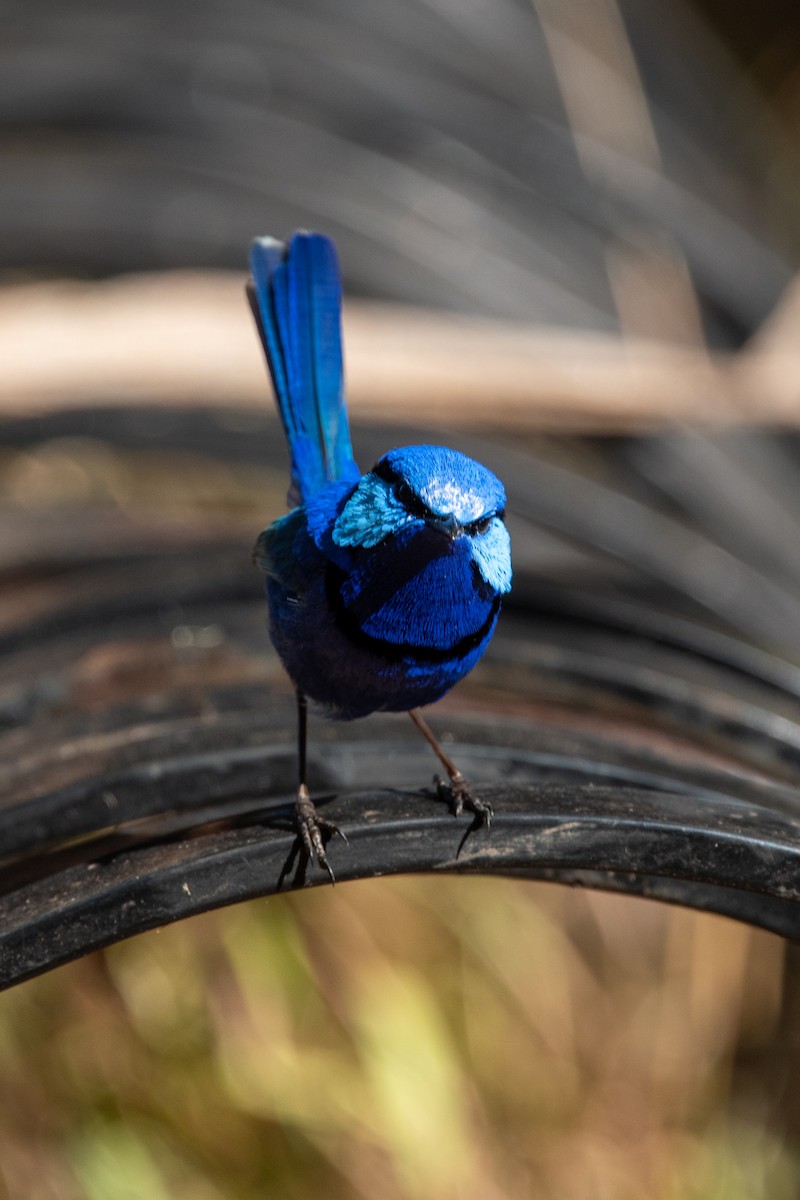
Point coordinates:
[(313, 831), (459, 795)]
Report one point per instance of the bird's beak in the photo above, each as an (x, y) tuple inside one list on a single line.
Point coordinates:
[(447, 525)]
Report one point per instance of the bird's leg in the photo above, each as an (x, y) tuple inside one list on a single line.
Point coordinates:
[(458, 792), (311, 826)]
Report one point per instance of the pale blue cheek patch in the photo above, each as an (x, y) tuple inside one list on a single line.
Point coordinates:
[(492, 553), (370, 515)]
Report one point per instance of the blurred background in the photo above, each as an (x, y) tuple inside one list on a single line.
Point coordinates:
[(569, 235)]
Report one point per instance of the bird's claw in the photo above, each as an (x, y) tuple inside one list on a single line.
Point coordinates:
[(313, 831), (458, 794)]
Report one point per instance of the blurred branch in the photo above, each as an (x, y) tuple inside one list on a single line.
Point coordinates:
[(185, 338), (600, 84)]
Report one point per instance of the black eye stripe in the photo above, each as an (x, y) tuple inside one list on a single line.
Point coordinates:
[(385, 472), (479, 526), (482, 524), (411, 502)]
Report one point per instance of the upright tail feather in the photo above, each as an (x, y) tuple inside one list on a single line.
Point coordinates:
[(296, 297)]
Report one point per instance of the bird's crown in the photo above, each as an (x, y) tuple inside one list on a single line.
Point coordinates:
[(435, 481)]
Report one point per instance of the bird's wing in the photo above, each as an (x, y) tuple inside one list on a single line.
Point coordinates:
[(277, 552)]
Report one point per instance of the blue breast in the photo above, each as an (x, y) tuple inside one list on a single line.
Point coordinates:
[(417, 594), (390, 628)]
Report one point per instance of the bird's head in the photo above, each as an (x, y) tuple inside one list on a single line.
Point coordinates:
[(434, 488)]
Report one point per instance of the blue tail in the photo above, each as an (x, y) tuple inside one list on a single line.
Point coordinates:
[(296, 295)]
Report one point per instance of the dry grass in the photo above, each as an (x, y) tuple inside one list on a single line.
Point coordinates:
[(404, 1038)]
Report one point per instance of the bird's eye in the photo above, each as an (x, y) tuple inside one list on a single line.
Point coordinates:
[(476, 527), (411, 502)]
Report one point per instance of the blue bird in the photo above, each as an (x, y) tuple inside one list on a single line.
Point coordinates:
[(384, 588)]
